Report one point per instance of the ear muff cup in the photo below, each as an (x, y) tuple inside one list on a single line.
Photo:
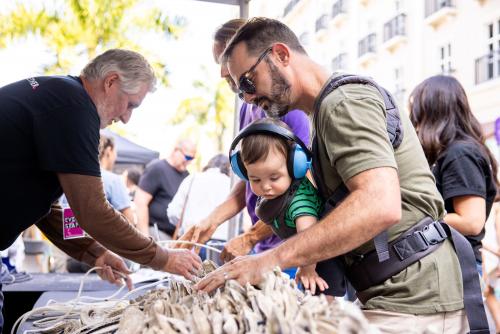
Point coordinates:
[(299, 161), (238, 167)]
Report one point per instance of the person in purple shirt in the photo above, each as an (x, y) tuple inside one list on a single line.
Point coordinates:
[(260, 237)]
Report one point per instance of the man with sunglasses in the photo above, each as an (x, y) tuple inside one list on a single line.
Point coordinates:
[(260, 237), (157, 187), (386, 188)]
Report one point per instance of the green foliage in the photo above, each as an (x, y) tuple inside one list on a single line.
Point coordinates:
[(87, 27), (213, 110)]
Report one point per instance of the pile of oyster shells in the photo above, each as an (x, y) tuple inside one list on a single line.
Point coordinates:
[(275, 306)]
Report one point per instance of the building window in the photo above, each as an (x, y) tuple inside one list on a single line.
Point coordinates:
[(289, 6), (432, 6), (339, 62), (395, 27), (367, 44), (445, 60), (339, 7), (488, 66), (493, 49), (398, 5)]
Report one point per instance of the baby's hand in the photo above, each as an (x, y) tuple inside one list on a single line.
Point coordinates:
[(308, 276)]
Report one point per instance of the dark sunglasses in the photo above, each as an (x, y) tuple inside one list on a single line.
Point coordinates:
[(246, 85), (187, 157)]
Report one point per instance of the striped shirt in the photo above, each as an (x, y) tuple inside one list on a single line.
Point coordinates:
[(305, 202)]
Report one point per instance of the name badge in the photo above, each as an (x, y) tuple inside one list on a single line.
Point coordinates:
[(71, 229)]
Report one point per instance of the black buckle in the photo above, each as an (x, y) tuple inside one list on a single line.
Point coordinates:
[(433, 233), (420, 241)]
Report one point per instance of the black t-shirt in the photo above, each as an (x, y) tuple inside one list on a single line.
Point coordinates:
[(161, 180), (48, 125), (464, 169)]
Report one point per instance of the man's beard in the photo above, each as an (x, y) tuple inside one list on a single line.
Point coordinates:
[(280, 92)]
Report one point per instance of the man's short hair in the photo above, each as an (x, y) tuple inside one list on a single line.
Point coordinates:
[(260, 33), (104, 143), (133, 175), (226, 31), (132, 68), (220, 161)]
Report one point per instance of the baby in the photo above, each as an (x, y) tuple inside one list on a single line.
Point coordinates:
[(287, 202)]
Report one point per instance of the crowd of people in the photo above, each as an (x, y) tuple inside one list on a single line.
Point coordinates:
[(348, 192)]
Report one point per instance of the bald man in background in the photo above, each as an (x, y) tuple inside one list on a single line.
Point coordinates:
[(157, 187)]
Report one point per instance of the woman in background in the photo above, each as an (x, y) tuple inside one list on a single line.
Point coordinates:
[(464, 168), (198, 194)]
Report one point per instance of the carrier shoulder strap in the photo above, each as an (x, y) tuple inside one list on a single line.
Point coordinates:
[(394, 132), (269, 210)]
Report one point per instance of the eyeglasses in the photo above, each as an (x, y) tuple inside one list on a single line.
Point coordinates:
[(246, 85), (187, 157)]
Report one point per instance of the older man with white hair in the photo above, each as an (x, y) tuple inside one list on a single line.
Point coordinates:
[(49, 127)]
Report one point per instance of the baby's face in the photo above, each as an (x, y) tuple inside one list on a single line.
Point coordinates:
[(269, 178)]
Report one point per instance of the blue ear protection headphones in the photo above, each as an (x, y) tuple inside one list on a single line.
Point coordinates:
[(299, 156)]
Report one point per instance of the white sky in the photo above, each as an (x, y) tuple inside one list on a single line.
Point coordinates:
[(185, 59)]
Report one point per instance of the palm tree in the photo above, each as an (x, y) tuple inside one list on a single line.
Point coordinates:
[(87, 27)]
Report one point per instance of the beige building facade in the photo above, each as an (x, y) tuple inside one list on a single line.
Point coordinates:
[(402, 42)]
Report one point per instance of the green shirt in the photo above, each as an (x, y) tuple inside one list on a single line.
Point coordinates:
[(305, 202), (351, 132)]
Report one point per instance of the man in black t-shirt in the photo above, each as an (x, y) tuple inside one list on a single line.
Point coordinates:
[(49, 135), (157, 187)]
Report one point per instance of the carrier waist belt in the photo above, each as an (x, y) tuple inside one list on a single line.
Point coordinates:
[(420, 240)]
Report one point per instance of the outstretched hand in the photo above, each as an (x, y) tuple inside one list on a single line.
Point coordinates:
[(112, 265), (199, 233), (238, 246), (182, 262), (244, 269)]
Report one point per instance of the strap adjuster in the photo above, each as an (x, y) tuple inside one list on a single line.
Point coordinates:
[(433, 233), (420, 240)]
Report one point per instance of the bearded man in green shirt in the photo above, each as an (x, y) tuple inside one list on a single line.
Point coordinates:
[(389, 189)]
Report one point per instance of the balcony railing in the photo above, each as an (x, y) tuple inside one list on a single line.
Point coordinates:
[(339, 62), (289, 7), (322, 22), (488, 67), (367, 44), (395, 27), (339, 7), (432, 6)]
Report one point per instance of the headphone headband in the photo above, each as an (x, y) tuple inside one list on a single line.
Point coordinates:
[(271, 129)]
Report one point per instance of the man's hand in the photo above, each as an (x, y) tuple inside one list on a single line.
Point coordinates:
[(199, 233), (238, 246), (110, 262), (250, 268), (182, 262)]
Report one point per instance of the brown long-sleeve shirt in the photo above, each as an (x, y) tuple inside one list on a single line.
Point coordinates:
[(107, 227)]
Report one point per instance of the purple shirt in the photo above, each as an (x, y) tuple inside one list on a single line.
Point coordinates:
[(298, 121), (497, 130)]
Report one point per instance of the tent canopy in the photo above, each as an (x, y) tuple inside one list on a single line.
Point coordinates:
[(128, 152)]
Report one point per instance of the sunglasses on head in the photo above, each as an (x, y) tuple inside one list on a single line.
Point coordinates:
[(246, 85)]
